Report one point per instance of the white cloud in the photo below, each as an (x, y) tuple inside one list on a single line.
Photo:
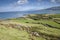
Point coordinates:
[(39, 0), (22, 1), (18, 3), (54, 1)]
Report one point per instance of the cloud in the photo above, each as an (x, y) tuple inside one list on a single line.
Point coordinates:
[(53, 1), (22, 2), (58, 1), (18, 3), (39, 0)]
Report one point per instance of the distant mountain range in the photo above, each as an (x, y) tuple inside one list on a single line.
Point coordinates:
[(48, 10)]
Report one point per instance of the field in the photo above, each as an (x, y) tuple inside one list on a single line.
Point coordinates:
[(31, 27)]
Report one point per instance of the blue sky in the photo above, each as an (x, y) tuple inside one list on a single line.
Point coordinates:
[(26, 5)]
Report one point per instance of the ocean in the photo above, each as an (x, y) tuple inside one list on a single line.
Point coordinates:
[(6, 15)]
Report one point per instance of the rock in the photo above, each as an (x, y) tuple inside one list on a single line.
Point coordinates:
[(35, 34)]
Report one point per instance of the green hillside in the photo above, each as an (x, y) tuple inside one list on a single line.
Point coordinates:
[(31, 27)]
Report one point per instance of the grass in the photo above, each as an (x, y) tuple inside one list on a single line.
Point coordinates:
[(50, 22), (39, 26), (13, 34), (23, 20)]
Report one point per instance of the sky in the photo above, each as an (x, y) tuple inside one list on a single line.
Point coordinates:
[(27, 5)]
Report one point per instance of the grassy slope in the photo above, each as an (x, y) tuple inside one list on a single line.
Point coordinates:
[(46, 32), (15, 34), (12, 34)]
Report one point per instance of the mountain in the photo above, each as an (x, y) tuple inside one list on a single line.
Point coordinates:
[(48, 10), (54, 8)]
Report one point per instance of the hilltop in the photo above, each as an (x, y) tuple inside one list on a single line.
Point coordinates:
[(31, 27)]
